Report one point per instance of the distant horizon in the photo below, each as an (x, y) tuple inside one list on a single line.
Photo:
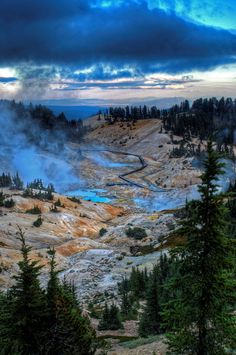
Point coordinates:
[(105, 103), (86, 111)]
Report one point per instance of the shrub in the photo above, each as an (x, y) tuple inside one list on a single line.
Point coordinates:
[(35, 210), (120, 257), (136, 233), (2, 197), (94, 312), (102, 232), (6, 203), (9, 203), (74, 199), (54, 208), (28, 192), (38, 222), (3, 267), (58, 203)]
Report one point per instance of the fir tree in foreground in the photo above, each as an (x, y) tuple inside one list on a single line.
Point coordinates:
[(69, 331), (35, 322), (201, 314), (23, 311)]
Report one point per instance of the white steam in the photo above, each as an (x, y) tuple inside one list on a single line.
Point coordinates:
[(48, 161)]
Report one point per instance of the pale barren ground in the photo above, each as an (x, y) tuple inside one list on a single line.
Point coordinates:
[(157, 348), (144, 138)]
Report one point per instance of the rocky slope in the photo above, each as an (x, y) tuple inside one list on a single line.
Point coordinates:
[(146, 138), (94, 263)]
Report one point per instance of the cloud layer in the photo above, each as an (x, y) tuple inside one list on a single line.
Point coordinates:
[(75, 33)]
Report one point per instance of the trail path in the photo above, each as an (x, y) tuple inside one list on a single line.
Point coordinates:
[(124, 176)]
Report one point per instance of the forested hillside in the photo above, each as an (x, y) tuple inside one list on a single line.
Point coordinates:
[(36, 121), (203, 118)]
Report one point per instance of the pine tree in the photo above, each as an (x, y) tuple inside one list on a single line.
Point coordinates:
[(35, 323), (5, 323), (53, 288), (137, 283), (115, 320), (150, 322), (17, 183), (110, 318), (125, 304), (69, 331), (200, 314), (23, 323), (2, 198), (104, 322)]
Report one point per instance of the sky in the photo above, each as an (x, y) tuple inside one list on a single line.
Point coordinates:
[(93, 52)]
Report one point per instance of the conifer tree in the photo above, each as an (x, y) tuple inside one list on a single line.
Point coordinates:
[(128, 310), (17, 183), (110, 318), (104, 322), (70, 332), (115, 320), (2, 198), (5, 323), (24, 319), (150, 322), (200, 314), (137, 283)]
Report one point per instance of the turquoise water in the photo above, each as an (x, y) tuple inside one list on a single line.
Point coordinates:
[(93, 195), (117, 165), (102, 160)]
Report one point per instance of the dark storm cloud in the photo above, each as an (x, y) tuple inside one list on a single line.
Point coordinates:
[(7, 80), (33, 10), (72, 33)]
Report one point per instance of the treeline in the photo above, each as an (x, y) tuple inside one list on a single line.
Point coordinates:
[(46, 194), (204, 119), (34, 189), (44, 125), (38, 185), (201, 119), (41, 321), (13, 182), (131, 113), (42, 193)]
